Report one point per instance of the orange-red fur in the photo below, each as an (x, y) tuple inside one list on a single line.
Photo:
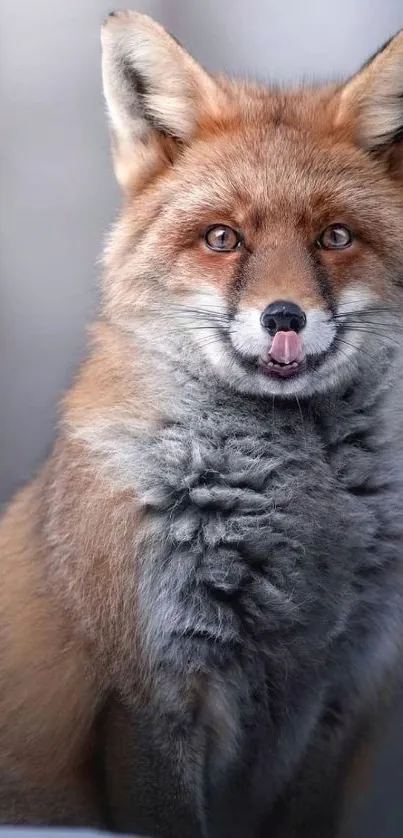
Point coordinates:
[(68, 541)]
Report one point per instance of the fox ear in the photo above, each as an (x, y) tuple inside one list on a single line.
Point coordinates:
[(156, 94), (372, 101)]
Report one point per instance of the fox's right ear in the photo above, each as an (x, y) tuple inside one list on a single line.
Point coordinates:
[(157, 95)]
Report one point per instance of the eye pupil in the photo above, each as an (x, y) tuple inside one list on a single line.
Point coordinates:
[(338, 236), (222, 238), (335, 237)]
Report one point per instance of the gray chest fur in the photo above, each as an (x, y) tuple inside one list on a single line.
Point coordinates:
[(268, 578)]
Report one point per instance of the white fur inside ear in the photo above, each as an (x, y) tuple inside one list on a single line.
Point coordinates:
[(142, 85), (149, 80), (383, 118), (374, 97)]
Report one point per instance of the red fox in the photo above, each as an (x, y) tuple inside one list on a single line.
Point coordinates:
[(201, 600)]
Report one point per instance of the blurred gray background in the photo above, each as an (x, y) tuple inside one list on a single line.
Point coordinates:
[(57, 197)]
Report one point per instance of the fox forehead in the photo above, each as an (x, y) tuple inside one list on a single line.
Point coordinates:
[(260, 173), (271, 147)]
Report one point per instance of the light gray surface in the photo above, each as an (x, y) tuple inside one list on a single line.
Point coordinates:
[(57, 196)]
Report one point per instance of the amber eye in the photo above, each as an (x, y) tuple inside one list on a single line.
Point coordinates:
[(335, 237), (222, 238)]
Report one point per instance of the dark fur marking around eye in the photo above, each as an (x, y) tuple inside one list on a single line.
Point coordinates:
[(239, 273), (258, 218), (238, 281), (323, 280)]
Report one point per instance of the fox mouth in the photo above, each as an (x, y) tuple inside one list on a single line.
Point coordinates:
[(286, 356), (276, 369)]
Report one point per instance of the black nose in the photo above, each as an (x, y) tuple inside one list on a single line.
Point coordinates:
[(283, 316)]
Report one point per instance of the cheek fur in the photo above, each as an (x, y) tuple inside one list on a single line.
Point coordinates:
[(247, 334), (319, 332), (199, 268), (355, 298)]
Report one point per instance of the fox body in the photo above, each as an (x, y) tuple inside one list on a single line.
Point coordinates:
[(204, 583)]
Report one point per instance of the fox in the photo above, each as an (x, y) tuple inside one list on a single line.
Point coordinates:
[(201, 599)]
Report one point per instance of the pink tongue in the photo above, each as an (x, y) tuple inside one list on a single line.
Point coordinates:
[(286, 347)]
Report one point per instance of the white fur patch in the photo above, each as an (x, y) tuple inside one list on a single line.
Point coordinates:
[(355, 298), (247, 334), (319, 332)]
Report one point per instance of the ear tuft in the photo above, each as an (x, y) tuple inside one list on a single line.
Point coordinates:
[(153, 89), (373, 99)]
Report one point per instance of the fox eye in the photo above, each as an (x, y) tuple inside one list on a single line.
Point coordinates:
[(222, 238), (335, 237)]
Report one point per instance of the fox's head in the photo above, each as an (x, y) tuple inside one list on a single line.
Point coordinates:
[(266, 225)]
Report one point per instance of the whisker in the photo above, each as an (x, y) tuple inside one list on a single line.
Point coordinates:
[(169, 316), (203, 309), (202, 314), (198, 328), (353, 346), (360, 311), (376, 333), (359, 301), (209, 341), (342, 353), (371, 327), (215, 307), (373, 323), (301, 415), (214, 320)]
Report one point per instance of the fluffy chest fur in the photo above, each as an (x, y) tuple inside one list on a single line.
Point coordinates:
[(269, 586)]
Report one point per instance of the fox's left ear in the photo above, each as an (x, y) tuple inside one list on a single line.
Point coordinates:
[(371, 102)]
